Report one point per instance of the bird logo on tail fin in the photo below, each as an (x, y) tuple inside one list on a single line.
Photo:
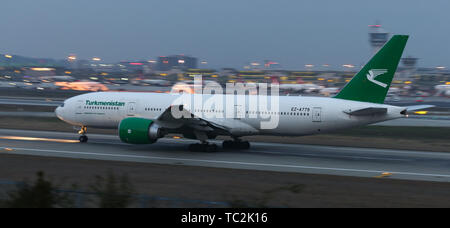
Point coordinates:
[(375, 73)]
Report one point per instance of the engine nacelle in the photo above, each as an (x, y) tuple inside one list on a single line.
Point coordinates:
[(139, 131)]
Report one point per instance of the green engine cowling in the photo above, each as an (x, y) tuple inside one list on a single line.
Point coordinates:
[(135, 130)]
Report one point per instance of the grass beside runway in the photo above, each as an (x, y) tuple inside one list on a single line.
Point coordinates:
[(251, 188), (390, 137)]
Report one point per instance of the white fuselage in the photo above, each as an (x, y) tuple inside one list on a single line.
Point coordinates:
[(295, 116)]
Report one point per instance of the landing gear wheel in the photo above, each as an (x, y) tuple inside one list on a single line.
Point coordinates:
[(227, 144), (194, 147), (236, 144), (244, 145), (83, 138), (203, 147), (211, 148)]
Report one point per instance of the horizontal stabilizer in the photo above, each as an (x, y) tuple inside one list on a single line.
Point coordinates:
[(418, 107), (367, 111)]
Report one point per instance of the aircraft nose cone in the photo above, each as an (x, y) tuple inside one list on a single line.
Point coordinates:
[(58, 112)]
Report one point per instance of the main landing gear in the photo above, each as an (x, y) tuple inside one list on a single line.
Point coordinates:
[(83, 138), (203, 147), (227, 145), (236, 144)]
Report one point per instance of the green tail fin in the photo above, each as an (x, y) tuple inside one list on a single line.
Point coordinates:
[(372, 82)]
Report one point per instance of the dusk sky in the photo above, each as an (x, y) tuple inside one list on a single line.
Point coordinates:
[(225, 33)]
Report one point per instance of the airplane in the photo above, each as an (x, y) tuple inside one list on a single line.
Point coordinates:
[(82, 86), (442, 90), (143, 118), (58, 78), (329, 90), (309, 87), (156, 82)]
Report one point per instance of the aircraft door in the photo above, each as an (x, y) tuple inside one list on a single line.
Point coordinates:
[(317, 114), (79, 107), (131, 109), (238, 111)]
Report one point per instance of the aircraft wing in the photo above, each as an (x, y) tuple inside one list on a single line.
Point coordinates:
[(184, 118), (367, 111)]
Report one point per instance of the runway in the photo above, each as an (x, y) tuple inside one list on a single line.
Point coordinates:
[(426, 121), (347, 161), (30, 101)]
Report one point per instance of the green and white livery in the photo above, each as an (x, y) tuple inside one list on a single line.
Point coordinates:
[(145, 117)]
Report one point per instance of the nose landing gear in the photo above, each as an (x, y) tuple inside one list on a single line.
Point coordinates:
[(83, 138)]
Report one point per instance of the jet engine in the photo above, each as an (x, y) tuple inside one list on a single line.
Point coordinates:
[(135, 130)]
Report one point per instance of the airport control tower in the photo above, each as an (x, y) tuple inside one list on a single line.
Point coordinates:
[(377, 37)]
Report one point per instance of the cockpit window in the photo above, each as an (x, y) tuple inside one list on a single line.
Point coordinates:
[(62, 105)]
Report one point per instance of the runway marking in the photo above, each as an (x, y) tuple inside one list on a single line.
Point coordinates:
[(39, 139), (321, 155), (229, 162)]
